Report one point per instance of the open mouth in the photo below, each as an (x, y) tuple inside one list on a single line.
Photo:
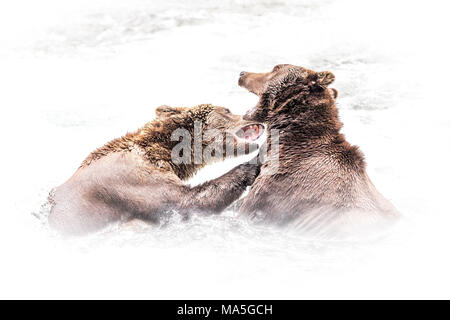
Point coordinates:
[(250, 132)]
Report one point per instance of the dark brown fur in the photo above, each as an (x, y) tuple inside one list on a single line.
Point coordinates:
[(134, 177), (321, 178)]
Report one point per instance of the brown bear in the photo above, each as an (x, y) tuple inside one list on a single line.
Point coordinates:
[(316, 181), (134, 177)]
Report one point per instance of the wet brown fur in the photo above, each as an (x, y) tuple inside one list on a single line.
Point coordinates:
[(153, 141)]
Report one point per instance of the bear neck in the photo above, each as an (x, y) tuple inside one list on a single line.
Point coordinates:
[(311, 127), (306, 121)]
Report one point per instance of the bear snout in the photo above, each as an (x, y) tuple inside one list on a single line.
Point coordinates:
[(241, 78)]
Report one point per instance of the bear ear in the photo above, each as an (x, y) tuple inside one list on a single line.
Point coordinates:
[(325, 78), (167, 111), (334, 93)]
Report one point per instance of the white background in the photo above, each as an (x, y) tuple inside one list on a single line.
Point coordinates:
[(74, 74)]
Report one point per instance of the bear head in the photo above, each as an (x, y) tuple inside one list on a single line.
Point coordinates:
[(282, 84), (218, 124)]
